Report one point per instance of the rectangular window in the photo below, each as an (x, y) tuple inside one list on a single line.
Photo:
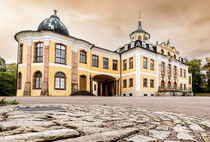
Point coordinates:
[(114, 64), (145, 63), (151, 83), (162, 68), (38, 52), (131, 82), (83, 57), (184, 86), (125, 64), (184, 73), (124, 83), (174, 70), (181, 86), (190, 80), (105, 63), (144, 82), (180, 72), (151, 64), (131, 63), (21, 54), (95, 61), (60, 54), (169, 70)]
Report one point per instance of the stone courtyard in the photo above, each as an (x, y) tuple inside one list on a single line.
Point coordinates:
[(98, 123)]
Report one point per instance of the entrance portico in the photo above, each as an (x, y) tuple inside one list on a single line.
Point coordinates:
[(106, 85)]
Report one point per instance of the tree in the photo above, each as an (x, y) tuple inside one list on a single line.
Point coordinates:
[(198, 80), (8, 76)]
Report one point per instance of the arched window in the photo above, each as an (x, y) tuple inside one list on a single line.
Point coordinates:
[(174, 56), (19, 80), (162, 84), (37, 80), (169, 54), (60, 81), (139, 37)]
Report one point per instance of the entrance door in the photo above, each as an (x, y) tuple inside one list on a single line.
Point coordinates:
[(83, 83)]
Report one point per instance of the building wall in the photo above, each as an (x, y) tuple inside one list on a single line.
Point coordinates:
[(137, 73)]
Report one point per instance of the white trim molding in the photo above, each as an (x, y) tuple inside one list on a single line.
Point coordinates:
[(59, 65)]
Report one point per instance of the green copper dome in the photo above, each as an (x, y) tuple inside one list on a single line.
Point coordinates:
[(139, 30), (53, 24)]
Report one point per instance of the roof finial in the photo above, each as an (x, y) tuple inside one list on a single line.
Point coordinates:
[(55, 12), (139, 16)]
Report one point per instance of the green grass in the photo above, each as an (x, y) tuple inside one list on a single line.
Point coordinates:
[(202, 94), (3, 102)]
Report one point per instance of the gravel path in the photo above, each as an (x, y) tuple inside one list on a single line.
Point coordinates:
[(191, 106)]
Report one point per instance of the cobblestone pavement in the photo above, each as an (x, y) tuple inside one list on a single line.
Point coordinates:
[(91, 123), (190, 106)]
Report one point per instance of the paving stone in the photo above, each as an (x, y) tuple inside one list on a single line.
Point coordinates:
[(185, 136), (159, 134), (140, 138), (103, 137), (195, 127), (99, 123), (49, 135)]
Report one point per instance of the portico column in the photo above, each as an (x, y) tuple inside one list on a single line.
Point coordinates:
[(117, 87), (44, 89), (91, 84), (27, 89)]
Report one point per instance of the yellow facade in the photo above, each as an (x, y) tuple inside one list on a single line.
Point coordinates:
[(77, 75)]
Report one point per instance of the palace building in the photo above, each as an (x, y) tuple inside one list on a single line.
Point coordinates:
[(51, 62)]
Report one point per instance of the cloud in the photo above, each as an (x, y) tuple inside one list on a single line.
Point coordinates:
[(108, 23)]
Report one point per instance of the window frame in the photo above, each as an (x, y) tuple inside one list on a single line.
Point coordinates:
[(180, 72), (145, 84), (36, 48), (169, 69), (60, 81), (35, 80), (130, 82), (105, 61), (153, 83), (145, 59), (153, 66), (113, 65), (80, 60), (95, 60), (20, 60), (60, 53), (175, 70), (130, 62), (125, 64), (125, 83), (162, 66)]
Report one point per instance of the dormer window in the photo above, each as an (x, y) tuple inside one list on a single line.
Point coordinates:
[(169, 54), (162, 51)]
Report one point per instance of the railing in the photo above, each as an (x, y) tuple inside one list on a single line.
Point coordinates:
[(174, 89)]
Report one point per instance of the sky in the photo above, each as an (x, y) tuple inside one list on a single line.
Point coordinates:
[(108, 23)]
